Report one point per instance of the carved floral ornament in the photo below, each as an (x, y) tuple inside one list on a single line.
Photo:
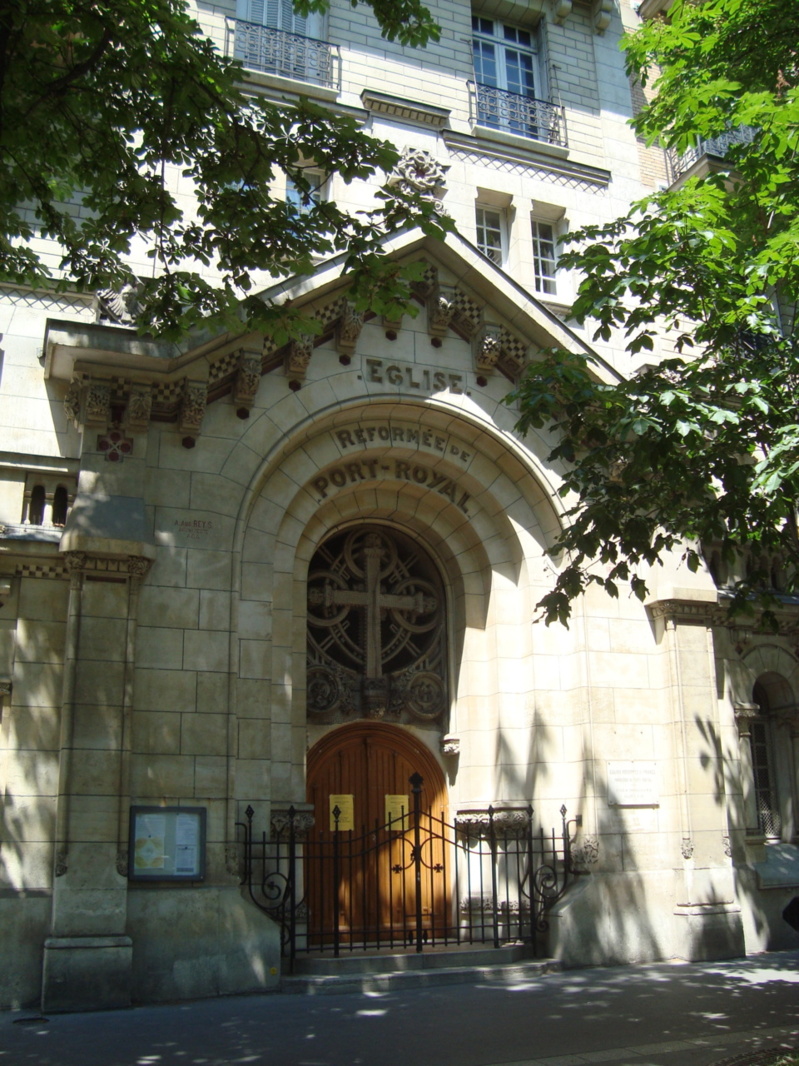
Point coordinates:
[(418, 172)]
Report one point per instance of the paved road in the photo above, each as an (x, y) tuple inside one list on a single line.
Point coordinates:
[(658, 1015)]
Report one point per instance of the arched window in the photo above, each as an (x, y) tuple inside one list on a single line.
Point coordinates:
[(376, 630), (60, 505), (36, 506), (771, 760)]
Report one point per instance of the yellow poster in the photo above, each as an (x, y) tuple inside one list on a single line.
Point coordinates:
[(346, 812), (397, 808)]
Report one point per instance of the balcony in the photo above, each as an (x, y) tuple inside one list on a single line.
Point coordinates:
[(715, 148), (499, 109), (288, 55)]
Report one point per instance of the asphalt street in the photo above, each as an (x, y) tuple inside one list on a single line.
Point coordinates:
[(669, 1014)]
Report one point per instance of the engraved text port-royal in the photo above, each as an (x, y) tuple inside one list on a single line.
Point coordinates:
[(417, 473)]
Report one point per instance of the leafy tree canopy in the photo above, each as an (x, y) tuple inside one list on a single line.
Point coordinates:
[(700, 452), (105, 103)]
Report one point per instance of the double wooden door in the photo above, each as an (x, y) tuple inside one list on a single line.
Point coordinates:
[(362, 883)]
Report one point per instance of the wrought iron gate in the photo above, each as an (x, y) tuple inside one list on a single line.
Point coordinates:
[(416, 881)]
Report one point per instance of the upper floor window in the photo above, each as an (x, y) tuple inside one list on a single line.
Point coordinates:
[(511, 93), (491, 234), (272, 38), (46, 500), (544, 258), (302, 200)]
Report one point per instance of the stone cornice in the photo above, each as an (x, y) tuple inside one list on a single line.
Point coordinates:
[(407, 110)]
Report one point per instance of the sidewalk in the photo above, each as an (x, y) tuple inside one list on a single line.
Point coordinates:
[(668, 1014)]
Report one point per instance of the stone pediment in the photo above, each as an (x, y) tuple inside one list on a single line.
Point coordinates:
[(116, 377)]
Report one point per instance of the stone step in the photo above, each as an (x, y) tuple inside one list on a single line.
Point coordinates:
[(384, 972)]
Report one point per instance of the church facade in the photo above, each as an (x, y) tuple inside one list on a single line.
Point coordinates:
[(228, 566)]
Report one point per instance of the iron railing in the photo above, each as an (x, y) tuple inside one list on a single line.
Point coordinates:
[(273, 51), (414, 882), (713, 146), (524, 115)]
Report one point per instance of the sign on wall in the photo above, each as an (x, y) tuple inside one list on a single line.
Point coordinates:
[(167, 844), (633, 784)]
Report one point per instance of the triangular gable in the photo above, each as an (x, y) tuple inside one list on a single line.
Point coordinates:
[(461, 290)]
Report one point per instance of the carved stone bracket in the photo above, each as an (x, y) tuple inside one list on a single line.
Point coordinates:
[(192, 407), (450, 745), (348, 330), (687, 848), (60, 863), (744, 713), (304, 821), (140, 405), (122, 862), (97, 404), (561, 9), (248, 378), (602, 14), (441, 308), (298, 358), (486, 349), (507, 820)]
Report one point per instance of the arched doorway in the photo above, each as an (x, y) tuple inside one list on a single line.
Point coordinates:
[(363, 885), (376, 662)]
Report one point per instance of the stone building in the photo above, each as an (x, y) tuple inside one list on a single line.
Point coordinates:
[(237, 575)]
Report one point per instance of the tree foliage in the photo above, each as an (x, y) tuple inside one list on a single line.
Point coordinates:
[(110, 112), (700, 452)]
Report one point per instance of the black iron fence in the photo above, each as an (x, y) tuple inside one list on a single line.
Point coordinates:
[(415, 881)]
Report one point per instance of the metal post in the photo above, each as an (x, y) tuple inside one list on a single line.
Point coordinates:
[(336, 881), (416, 789), (492, 839), (292, 871)]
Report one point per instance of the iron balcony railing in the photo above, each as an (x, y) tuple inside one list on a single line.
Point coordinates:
[(287, 54), (502, 110), (713, 146)]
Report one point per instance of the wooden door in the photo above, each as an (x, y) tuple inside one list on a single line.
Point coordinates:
[(371, 895)]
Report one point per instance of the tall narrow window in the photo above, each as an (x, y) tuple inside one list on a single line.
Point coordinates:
[(60, 505), (491, 235), (36, 506), (763, 768), (302, 200), (544, 258)]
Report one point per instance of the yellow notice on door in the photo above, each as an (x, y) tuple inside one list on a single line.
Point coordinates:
[(345, 805), (397, 812)]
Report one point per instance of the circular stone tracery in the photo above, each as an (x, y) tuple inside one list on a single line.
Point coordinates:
[(375, 629)]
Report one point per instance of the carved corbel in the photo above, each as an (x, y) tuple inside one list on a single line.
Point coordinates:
[(348, 330), (603, 13), (487, 348), (139, 406), (97, 404), (299, 357), (441, 308), (392, 326), (192, 407), (72, 402), (248, 378), (561, 9), (744, 713)]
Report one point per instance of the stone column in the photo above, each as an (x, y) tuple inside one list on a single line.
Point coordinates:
[(707, 915), (87, 957)]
